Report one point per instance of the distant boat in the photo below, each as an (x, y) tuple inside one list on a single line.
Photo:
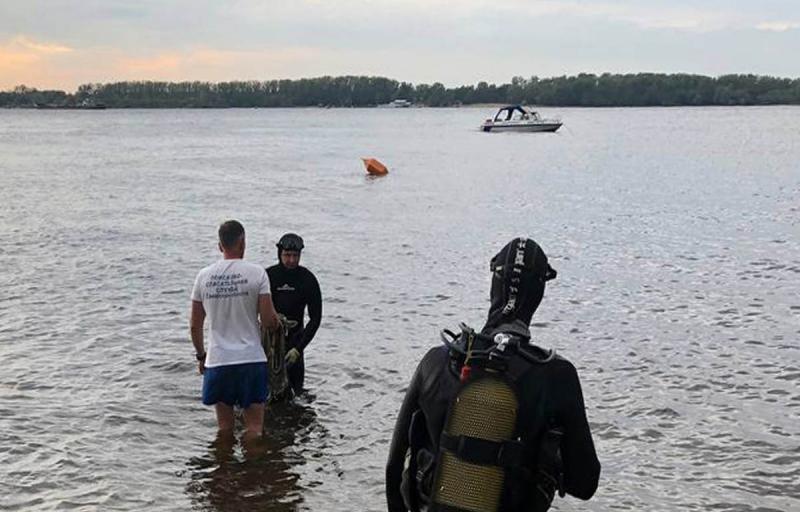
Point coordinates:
[(64, 106), (396, 104), (516, 118)]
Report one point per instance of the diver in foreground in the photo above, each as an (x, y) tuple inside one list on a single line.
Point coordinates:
[(295, 288), (491, 422)]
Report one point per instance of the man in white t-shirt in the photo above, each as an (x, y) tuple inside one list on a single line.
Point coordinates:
[(233, 294)]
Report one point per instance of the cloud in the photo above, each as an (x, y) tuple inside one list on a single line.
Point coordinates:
[(451, 41), (650, 15), (24, 60), (210, 63), (778, 26), (149, 66), (10, 58), (40, 48), (22, 50)]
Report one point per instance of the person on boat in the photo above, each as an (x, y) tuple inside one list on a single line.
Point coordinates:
[(446, 452), (233, 294), (295, 288)]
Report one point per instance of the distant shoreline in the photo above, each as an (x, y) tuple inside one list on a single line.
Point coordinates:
[(494, 106), (583, 90)]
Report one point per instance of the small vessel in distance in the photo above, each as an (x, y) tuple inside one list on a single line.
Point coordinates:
[(516, 118), (70, 106), (398, 103)]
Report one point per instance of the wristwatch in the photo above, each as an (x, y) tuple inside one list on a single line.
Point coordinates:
[(200, 357)]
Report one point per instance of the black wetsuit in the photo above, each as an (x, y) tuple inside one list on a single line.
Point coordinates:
[(548, 392), (292, 291)]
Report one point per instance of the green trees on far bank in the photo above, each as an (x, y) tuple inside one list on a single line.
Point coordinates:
[(588, 90), (346, 91), (22, 96), (647, 89)]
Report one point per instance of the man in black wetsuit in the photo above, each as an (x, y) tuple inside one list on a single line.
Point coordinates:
[(555, 451), (294, 288)]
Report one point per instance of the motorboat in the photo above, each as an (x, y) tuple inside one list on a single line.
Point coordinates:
[(398, 103), (516, 118), (70, 106)]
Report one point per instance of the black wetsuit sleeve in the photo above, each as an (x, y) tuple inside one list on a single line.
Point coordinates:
[(581, 467), (314, 301), (397, 450)]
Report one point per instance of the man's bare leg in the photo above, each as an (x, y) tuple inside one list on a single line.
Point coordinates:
[(254, 420), (225, 417)]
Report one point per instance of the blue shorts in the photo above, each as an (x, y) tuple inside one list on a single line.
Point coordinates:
[(236, 384)]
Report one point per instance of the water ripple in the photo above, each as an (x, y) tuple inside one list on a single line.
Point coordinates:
[(676, 296)]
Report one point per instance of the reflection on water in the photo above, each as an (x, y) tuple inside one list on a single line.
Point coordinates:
[(260, 474)]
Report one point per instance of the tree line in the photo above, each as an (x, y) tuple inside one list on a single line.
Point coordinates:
[(585, 90)]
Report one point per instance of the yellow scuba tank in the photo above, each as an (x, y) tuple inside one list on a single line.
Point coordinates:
[(478, 445), (483, 415)]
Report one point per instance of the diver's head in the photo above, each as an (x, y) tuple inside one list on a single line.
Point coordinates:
[(289, 247), (519, 272)]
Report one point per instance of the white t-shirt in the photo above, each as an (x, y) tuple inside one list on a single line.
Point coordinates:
[(229, 291)]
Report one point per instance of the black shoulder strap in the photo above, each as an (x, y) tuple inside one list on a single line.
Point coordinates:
[(506, 454)]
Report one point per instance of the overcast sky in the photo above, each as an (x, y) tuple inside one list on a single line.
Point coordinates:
[(62, 43)]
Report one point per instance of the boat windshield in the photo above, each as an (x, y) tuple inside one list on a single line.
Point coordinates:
[(515, 114)]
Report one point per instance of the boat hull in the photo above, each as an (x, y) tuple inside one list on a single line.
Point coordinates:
[(532, 127), (69, 107)]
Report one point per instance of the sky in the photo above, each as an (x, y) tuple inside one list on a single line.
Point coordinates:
[(61, 44)]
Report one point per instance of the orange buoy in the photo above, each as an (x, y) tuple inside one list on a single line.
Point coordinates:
[(374, 167)]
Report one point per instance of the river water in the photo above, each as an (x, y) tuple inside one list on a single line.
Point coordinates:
[(675, 232)]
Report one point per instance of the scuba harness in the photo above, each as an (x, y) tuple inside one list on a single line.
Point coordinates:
[(482, 463)]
